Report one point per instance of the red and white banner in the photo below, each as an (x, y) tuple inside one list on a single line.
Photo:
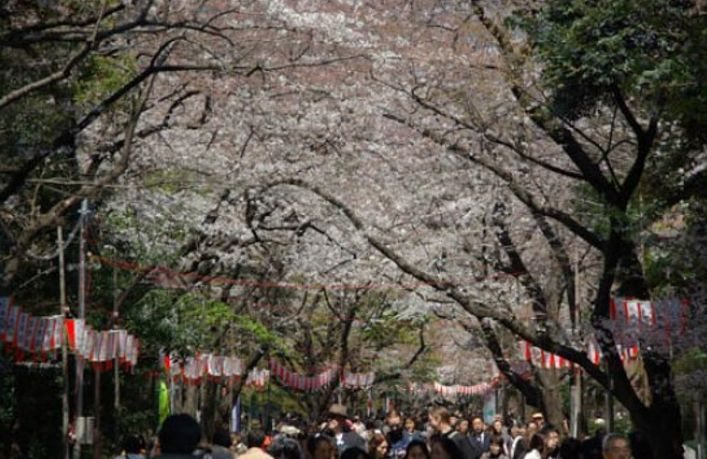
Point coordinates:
[(632, 316), (549, 361), (541, 358), (41, 336), (258, 378), (193, 369), (453, 391), (302, 382), (357, 380)]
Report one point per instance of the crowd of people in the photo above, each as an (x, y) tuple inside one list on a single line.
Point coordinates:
[(440, 434)]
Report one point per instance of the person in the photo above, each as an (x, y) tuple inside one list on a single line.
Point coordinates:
[(544, 443), (411, 427), (592, 447), (519, 445), (463, 427), (338, 426), (571, 448), (284, 447), (616, 446), (398, 439), (132, 448), (221, 444), (539, 419), (377, 446), (321, 446), (443, 447), (178, 437), (417, 449), (354, 452), (496, 445), (478, 438), (439, 421), (255, 441), (497, 429)]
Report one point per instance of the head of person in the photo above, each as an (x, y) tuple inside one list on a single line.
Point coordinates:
[(616, 446), (442, 447), (439, 418), (546, 440), (321, 446), (132, 444), (354, 452), (285, 448), (453, 420), (255, 438), (336, 418), (463, 427), (417, 449), (409, 425), (477, 425), (222, 438), (377, 446), (496, 445), (517, 429), (497, 426), (395, 425), (179, 434), (539, 419), (531, 429)]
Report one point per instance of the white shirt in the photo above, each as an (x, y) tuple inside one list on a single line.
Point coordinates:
[(534, 454)]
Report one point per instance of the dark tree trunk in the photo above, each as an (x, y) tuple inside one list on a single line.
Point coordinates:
[(662, 427)]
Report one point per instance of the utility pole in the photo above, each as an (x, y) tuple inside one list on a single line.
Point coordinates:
[(116, 363), (82, 315), (64, 350), (576, 388)]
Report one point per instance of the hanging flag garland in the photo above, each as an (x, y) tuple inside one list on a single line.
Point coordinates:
[(357, 380), (301, 382), (40, 337), (454, 391), (193, 370)]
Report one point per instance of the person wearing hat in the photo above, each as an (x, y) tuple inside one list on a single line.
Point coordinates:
[(340, 429)]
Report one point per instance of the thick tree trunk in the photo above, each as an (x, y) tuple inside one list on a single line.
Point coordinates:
[(662, 427), (551, 398)]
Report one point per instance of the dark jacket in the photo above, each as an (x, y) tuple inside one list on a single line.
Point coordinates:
[(348, 440), (462, 442), (479, 446)]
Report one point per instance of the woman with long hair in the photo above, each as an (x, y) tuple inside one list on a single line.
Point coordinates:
[(544, 443), (377, 446), (495, 451)]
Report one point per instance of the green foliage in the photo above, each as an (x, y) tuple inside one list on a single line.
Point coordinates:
[(651, 49), (691, 361), (102, 75), (262, 334), (177, 321)]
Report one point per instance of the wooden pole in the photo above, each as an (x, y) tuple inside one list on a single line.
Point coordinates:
[(64, 350)]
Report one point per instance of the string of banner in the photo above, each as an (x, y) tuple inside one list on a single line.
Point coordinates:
[(195, 369), (632, 321), (40, 337)]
